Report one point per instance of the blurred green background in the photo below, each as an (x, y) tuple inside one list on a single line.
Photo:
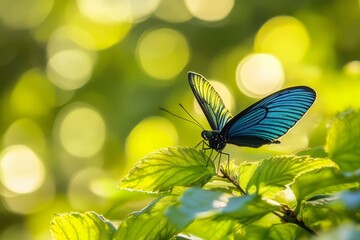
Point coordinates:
[(82, 82)]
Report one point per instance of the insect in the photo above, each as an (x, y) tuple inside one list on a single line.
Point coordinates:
[(261, 123)]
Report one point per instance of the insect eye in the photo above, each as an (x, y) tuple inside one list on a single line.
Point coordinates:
[(206, 135)]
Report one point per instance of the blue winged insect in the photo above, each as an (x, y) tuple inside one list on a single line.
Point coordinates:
[(261, 123)]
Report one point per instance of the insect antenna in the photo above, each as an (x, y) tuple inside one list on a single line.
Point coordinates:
[(191, 117), (188, 120)]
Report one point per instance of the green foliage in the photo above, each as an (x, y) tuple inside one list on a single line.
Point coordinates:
[(282, 197), (197, 203), (328, 181), (269, 176), (276, 232), (343, 140), (213, 228), (149, 223), (164, 169), (79, 226)]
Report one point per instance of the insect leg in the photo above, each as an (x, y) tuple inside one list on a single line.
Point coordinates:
[(228, 161), (201, 142), (205, 146), (218, 155)]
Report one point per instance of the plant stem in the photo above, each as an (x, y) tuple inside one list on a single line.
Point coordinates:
[(287, 214), (233, 181), (301, 224), (290, 217)]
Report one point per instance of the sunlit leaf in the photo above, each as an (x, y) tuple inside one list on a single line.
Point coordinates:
[(149, 223), (276, 232), (273, 174), (198, 203), (321, 214), (206, 228), (245, 171), (80, 226), (283, 231), (254, 231), (322, 181), (164, 169), (343, 140), (317, 152), (328, 212)]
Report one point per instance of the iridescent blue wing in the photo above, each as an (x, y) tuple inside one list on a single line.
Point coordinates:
[(270, 118), (209, 101)]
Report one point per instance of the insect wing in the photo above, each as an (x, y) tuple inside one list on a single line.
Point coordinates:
[(209, 101), (270, 118)]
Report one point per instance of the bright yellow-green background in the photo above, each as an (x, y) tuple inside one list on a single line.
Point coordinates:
[(82, 81)]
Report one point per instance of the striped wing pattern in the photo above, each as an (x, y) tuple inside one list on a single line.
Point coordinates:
[(209, 100), (270, 118)]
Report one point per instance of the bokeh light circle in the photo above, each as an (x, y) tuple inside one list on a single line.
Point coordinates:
[(102, 35), (81, 130), (259, 74), (80, 189), (210, 10), (149, 135), (173, 11), (27, 132), (24, 14), (352, 68), (21, 170), (15, 231), (110, 11), (70, 38), (106, 11), (163, 53), (70, 69), (141, 9), (285, 37), (32, 202), (33, 95)]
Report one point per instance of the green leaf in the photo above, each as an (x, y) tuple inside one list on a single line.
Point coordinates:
[(326, 213), (206, 228), (273, 174), (166, 168), (198, 203), (317, 152), (322, 181), (149, 223), (321, 214), (81, 226), (244, 173), (276, 232), (343, 140), (283, 231)]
